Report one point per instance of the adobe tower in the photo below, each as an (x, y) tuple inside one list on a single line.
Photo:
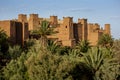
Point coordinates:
[(83, 22), (66, 32), (33, 22), (22, 17), (53, 21), (107, 29)]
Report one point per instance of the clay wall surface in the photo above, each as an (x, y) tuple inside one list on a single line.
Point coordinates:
[(5, 25), (16, 31), (93, 38), (53, 21), (107, 29), (69, 33), (83, 22), (22, 18), (94, 33), (34, 22)]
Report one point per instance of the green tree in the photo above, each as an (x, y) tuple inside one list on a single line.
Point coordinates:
[(64, 50), (44, 31), (110, 71), (16, 70), (53, 46), (47, 66), (3, 41), (105, 41), (28, 44), (116, 49), (39, 64), (83, 46), (102, 62), (3, 48), (15, 52)]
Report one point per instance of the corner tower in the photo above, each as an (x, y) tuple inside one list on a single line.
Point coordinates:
[(68, 25), (107, 29), (33, 22), (22, 17), (53, 21), (83, 22), (66, 32)]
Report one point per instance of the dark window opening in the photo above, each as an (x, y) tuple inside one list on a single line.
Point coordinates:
[(39, 23), (65, 26)]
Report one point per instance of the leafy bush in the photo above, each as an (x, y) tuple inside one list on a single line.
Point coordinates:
[(102, 63), (40, 64), (106, 40), (15, 70)]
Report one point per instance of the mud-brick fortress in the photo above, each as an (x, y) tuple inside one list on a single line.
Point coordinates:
[(69, 33)]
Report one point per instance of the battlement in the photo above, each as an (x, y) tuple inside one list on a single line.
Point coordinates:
[(107, 28), (53, 21), (68, 19), (22, 17), (69, 33), (96, 24), (34, 16), (82, 21), (53, 17)]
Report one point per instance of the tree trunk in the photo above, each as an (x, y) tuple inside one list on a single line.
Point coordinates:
[(43, 41)]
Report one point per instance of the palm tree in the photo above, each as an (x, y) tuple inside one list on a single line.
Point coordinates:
[(106, 41), (44, 30), (83, 46), (101, 63), (53, 46)]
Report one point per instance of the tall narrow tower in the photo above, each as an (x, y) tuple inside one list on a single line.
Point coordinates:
[(33, 22), (83, 22), (107, 29), (66, 32), (53, 21), (68, 26), (21, 29), (22, 17)]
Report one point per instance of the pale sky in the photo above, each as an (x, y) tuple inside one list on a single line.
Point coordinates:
[(96, 11)]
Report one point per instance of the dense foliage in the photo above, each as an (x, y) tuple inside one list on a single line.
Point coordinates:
[(4, 46), (106, 41), (40, 63)]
